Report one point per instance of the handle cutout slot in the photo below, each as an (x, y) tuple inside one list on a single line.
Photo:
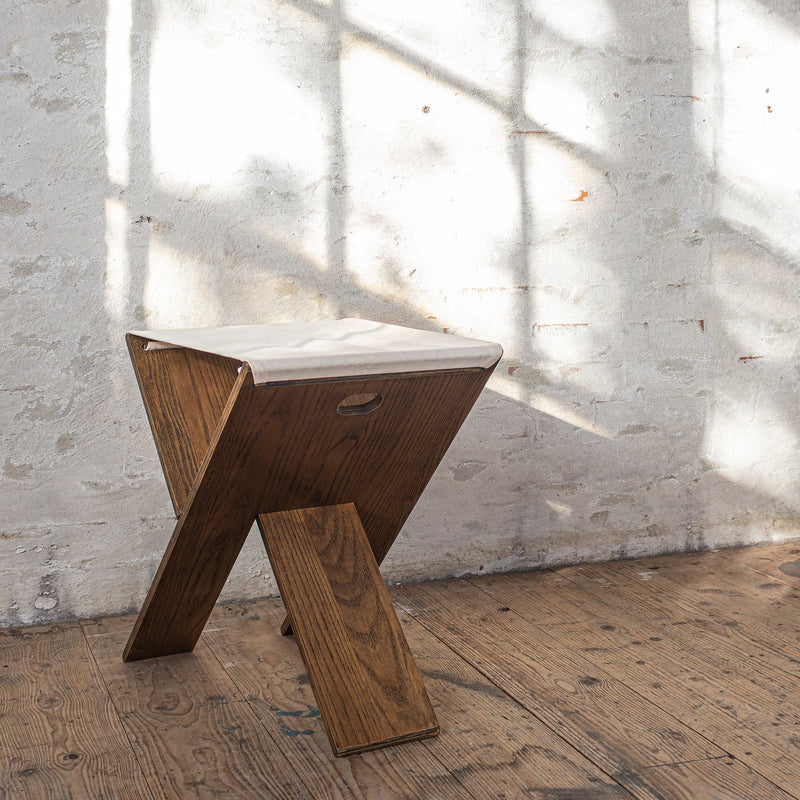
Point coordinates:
[(359, 404)]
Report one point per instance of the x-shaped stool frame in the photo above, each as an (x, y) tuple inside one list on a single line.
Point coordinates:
[(329, 469)]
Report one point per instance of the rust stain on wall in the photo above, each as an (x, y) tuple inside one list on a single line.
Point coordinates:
[(682, 97), (581, 197), (747, 359)]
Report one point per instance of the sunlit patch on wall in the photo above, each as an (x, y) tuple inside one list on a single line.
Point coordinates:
[(438, 189), (586, 21), (179, 292), (208, 120), (752, 449), (468, 41), (559, 508), (749, 127), (118, 90), (758, 296)]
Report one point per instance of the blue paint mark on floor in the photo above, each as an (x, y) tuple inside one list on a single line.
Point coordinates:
[(285, 729), (310, 712)]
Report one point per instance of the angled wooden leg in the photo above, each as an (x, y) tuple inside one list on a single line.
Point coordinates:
[(216, 519), (184, 394), (366, 683)]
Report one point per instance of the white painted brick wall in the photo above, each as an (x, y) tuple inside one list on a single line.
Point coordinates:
[(606, 187)]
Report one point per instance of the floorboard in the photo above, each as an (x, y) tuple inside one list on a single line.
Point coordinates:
[(616, 728), (191, 730), (714, 779), (664, 678), (267, 669), (60, 735)]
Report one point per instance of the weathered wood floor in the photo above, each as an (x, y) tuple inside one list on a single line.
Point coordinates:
[(670, 678)]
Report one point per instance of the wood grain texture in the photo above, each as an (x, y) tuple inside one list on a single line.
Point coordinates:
[(741, 614), (381, 461), (610, 723), (280, 448), (489, 747), (60, 735), (714, 779), (539, 587), (730, 695), (269, 671), (207, 538), (368, 688), (41, 773), (193, 732), (718, 583), (535, 697), (511, 754), (759, 731), (184, 394), (724, 599), (781, 562)]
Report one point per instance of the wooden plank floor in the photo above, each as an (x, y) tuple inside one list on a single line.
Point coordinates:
[(658, 679)]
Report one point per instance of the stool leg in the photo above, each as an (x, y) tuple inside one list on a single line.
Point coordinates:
[(286, 627), (366, 683), (212, 529)]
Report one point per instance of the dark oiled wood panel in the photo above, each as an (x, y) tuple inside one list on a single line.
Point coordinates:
[(184, 394), (60, 735), (380, 461), (279, 448), (368, 688), (192, 731), (207, 538)]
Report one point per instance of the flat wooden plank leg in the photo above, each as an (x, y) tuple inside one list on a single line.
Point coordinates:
[(366, 683), (207, 539)]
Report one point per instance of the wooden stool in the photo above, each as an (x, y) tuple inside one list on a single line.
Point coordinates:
[(325, 434)]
